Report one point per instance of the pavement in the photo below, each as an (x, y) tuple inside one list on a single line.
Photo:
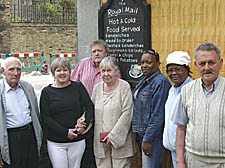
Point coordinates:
[(38, 81)]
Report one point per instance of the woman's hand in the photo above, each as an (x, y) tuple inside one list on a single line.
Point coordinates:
[(147, 149), (80, 130), (107, 140), (71, 135), (180, 165), (1, 162)]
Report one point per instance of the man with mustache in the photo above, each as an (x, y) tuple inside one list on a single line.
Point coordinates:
[(200, 113)]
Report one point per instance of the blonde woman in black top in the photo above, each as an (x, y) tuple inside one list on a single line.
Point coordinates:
[(61, 104)]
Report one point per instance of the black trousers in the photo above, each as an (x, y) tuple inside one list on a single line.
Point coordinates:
[(23, 148), (88, 159)]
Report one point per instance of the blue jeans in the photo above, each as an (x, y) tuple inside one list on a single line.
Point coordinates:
[(174, 157), (155, 161)]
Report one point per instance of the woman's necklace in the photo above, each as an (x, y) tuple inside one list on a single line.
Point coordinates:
[(109, 88)]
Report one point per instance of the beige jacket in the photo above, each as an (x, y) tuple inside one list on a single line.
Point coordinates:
[(121, 114), (205, 132)]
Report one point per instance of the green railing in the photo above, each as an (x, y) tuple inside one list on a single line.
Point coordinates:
[(30, 61), (44, 12), (72, 58)]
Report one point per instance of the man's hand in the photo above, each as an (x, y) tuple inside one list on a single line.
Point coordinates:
[(147, 149), (80, 123), (1, 161)]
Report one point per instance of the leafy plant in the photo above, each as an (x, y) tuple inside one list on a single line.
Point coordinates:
[(18, 19), (54, 10), (66, 4)]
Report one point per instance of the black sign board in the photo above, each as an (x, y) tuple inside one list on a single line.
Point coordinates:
[(125, 26)]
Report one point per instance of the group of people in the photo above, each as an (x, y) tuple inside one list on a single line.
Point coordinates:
[(92, 118)]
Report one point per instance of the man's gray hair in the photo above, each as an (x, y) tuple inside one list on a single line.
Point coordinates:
[(109, 62), (6, 61), (207, 46), (99, 42)]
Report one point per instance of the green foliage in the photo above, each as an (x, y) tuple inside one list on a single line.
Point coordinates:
[(51, 11), (58, 5), (54, 10), (17, 19), (66, 4)]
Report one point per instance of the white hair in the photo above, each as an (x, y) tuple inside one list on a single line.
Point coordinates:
[(6, 61), (109, 62)]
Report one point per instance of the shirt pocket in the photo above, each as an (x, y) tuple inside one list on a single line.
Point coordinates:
[(146, 95), (146, 105)]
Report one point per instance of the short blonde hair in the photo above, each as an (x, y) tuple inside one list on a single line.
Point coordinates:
[(60, 62)]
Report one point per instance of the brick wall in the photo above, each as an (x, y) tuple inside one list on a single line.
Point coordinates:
[(27, 37), (4, 28), (43, 38)]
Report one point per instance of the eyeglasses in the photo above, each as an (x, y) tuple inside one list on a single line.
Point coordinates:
[(151, 51), (177, 70)]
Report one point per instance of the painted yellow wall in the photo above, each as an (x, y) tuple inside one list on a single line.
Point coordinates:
[(183, 24), (103, 1)]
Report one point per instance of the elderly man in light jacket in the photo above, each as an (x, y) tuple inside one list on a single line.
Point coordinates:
[(20, 129)]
